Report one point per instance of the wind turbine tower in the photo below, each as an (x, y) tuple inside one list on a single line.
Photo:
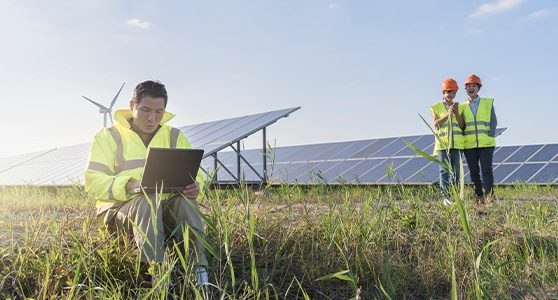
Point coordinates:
[(103, 109)]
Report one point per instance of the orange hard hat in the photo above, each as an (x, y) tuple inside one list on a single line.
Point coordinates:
[(450, 85), (473, 79)]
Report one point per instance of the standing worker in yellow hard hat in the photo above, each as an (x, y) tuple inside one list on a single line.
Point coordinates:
[(448, 124), (480, 131)]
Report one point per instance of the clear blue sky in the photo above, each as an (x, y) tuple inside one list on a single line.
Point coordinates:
[(359, 69)]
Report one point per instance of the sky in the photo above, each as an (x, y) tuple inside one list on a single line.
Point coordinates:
[(359, 69)]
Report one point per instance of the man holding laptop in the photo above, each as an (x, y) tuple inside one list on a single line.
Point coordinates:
[(115, 170)]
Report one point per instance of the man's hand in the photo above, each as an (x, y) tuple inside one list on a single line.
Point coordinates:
[(132, 185), (192, 190)]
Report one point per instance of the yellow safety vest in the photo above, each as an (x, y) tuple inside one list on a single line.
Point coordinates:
[(118, 154), (477, 127), (448, 136)]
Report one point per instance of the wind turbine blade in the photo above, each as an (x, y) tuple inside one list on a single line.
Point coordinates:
[(95, 103), (111, 121), (114, 100)]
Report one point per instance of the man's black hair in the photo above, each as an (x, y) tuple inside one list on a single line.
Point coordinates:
[(151, 88)]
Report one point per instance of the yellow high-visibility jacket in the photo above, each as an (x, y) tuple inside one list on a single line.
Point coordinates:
[(118, 154), (477, 131), (448, 137)]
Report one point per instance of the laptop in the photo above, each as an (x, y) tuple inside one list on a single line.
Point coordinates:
[(172, 169)]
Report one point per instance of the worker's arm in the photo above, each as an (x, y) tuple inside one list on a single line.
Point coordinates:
[(438, 121), (100, 179), (493, 123), (458, 110)]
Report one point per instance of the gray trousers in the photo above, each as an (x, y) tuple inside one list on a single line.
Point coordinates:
[(154, 223)]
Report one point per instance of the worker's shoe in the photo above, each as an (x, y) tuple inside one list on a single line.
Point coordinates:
[(488, 199), (448, 202), (479, 200)]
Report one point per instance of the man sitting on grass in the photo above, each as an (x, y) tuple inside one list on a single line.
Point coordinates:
[(116, 163)]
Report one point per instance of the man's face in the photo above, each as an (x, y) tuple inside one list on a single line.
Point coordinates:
[(472, 90), (148, 113)]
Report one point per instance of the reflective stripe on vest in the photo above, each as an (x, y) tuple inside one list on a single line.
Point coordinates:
[(96, 166), (477, 127), (119, 149)]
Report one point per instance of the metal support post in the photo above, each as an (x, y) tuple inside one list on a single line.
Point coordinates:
[(238, 161), (264, 156)]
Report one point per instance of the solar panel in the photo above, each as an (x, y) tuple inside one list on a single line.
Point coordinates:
[(59, 166), (218, 135), (301, 154), (410, 167), (523, 153), (523, 173), (503, 170), (361, 167), (501, 153), (338, 171), (281, 153), (12, 161), (547, 174), (316, 173), (546, 153), (288, 172), (354, 148), (390, 149), (428, 174), (373, 147), (380, 170), (422, 143), (363, 162), (329, 151)]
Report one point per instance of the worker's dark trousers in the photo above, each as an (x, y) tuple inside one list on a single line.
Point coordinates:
[(136, 218), (484, 156)]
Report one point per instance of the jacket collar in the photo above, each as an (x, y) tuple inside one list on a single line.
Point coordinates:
[(123, 116)]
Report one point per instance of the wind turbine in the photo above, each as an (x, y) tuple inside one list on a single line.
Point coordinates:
[(103, 109)]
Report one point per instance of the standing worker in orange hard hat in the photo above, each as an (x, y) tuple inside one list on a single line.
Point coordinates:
[(480, 131), (448, 124)]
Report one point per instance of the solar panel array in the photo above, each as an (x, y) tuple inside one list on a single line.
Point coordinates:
[(217, 135), (65, 166), (385, 161)]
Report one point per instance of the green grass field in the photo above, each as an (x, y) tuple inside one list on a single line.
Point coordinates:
[(290, 242)]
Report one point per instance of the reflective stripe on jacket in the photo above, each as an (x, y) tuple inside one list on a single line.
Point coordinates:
[(451, 137), (477, 127), (118, 154)]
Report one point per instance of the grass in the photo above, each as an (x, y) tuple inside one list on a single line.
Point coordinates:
[(294, 242)]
